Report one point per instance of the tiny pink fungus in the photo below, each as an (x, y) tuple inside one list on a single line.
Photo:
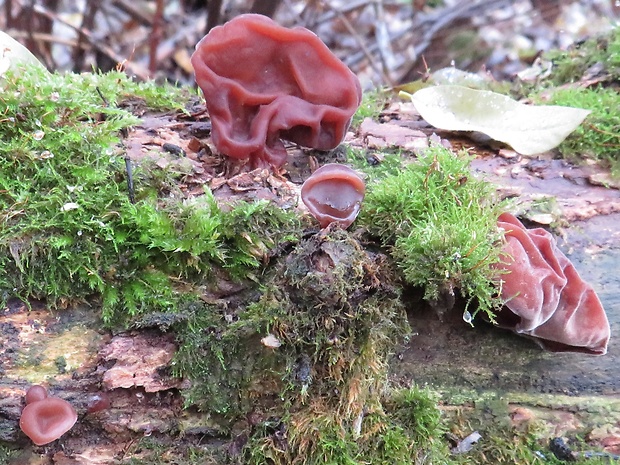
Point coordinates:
[(264, 83), (545, 298), (34, 393), (97, 402), (45, 419), (333, 194)]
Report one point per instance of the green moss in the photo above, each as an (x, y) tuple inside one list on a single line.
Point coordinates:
[(335, 315), (153, 451), (415, 410), (375, 165), (507, 442), (571, 65), (407, 431), (7, 454), (599, 136), (440, 222), (371, 106), (68, 230)]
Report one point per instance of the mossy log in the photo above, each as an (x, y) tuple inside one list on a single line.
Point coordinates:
[(67, 351)]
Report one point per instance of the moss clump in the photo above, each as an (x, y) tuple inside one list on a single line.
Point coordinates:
[(68, 229), (317, 435), (316, 385), (440, 223), (331, 308), (7, 454), (599, 136), (415, 410), (571, 65), (370, 107), (334, 309)]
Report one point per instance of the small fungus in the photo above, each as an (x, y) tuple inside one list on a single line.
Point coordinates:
[(98, 402), (264, 83), (545, 298), (45, 419), (333, 194), (35, 393)]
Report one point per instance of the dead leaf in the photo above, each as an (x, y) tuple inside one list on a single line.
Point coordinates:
[(529, 129), (14, 55)]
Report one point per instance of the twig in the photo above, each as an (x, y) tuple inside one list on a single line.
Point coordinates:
[(88, 21), (130, 187), (105, 100), (347, 24), (350, 7), (43, 37), (383, 42), (30, 18), (8, 14), (156, 34), (135, 68), (135, 13)]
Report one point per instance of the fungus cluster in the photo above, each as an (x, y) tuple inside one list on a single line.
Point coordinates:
[(45, 419), (545, 298), (264, 83), (333, 194)]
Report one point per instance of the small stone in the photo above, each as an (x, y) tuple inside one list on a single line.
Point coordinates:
[(271, 341)]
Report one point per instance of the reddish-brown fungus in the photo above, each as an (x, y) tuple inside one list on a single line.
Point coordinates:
[(544, 296), (34, 393), (264, 83), (98, 402), (333, 194), (45, 419)]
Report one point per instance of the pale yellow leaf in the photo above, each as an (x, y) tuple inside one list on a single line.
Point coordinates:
[(528, 129)]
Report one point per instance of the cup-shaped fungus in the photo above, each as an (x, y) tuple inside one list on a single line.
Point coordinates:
[(45, 419), (333, 194), (264, 83), (34, 393), (545, 298)]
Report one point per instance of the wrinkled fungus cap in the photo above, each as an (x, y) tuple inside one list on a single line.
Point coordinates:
[(264, 83), (333, 193), (545, 298), (46, 419)]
